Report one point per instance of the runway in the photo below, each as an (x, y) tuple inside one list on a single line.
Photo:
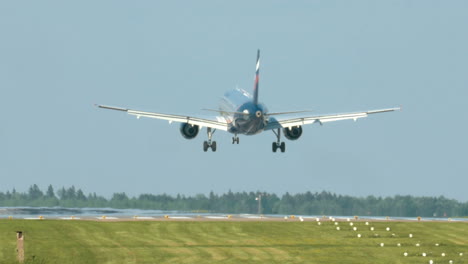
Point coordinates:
[(109, 214)]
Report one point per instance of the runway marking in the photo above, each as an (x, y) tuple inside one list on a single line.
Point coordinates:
[(253, 217)]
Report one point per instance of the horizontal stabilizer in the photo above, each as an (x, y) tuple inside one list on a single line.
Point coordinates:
[(287, 113), (226, 112)]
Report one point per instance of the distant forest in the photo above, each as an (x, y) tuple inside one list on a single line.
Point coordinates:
[(319, 203)]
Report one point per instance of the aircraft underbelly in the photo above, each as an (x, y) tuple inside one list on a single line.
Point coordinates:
[(247, 127)]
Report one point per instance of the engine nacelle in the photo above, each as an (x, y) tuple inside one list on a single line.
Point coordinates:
[(189, 131), (293, 133)]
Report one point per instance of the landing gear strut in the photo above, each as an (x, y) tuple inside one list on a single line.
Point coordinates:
[(209, 144), (235, 139), (278, 143)]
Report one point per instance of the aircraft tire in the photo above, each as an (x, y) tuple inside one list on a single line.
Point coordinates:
[(213, 146), (237, 141), (205, 146), (283, 147), (274, 147)]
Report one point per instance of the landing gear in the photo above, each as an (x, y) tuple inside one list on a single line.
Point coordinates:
[(209, 144), (278, 144), (213, 146), (235, 139), (281, 146)]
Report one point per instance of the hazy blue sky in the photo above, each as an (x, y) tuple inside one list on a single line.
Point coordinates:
[(58, 58)]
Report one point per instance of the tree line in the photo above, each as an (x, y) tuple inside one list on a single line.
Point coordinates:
[(318, 203)]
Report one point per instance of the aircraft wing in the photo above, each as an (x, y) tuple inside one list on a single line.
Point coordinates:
[(274, 123), (220, 123)]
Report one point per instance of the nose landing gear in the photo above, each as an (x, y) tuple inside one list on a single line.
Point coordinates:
[(235, 139)]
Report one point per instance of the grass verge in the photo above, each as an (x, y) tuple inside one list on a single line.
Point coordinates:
[(59, 241)]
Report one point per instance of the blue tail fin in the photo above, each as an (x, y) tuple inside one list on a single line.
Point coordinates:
[(257, 76)]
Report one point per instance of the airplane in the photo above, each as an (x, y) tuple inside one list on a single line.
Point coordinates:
[(241, 113)]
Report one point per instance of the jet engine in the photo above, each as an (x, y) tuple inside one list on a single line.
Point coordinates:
[(189, 131), (293, 133)]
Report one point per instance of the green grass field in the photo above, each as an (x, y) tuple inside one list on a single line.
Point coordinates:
[(59, 241)]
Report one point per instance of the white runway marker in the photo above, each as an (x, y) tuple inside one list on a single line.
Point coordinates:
[(107, 218), (214, 217)]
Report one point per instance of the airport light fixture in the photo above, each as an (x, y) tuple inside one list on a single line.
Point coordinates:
[(259, 199)]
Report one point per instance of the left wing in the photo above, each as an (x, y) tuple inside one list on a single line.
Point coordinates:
[(273, 123), (220, 123)]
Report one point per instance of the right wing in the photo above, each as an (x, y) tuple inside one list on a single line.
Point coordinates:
[(220, 123), (273, 123)]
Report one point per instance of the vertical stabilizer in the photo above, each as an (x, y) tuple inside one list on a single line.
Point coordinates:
[(257, 73)]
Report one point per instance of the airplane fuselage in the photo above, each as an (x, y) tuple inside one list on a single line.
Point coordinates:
[(242, 114)]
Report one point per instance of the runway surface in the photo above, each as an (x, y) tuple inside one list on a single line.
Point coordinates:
[(109, 214)]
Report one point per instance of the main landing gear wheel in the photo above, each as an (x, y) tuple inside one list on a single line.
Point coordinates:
[(235, 140), (213, 146), (278, 144), (209, 144), (281, 146)]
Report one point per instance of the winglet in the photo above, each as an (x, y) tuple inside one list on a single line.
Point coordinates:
[(257, 76)]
